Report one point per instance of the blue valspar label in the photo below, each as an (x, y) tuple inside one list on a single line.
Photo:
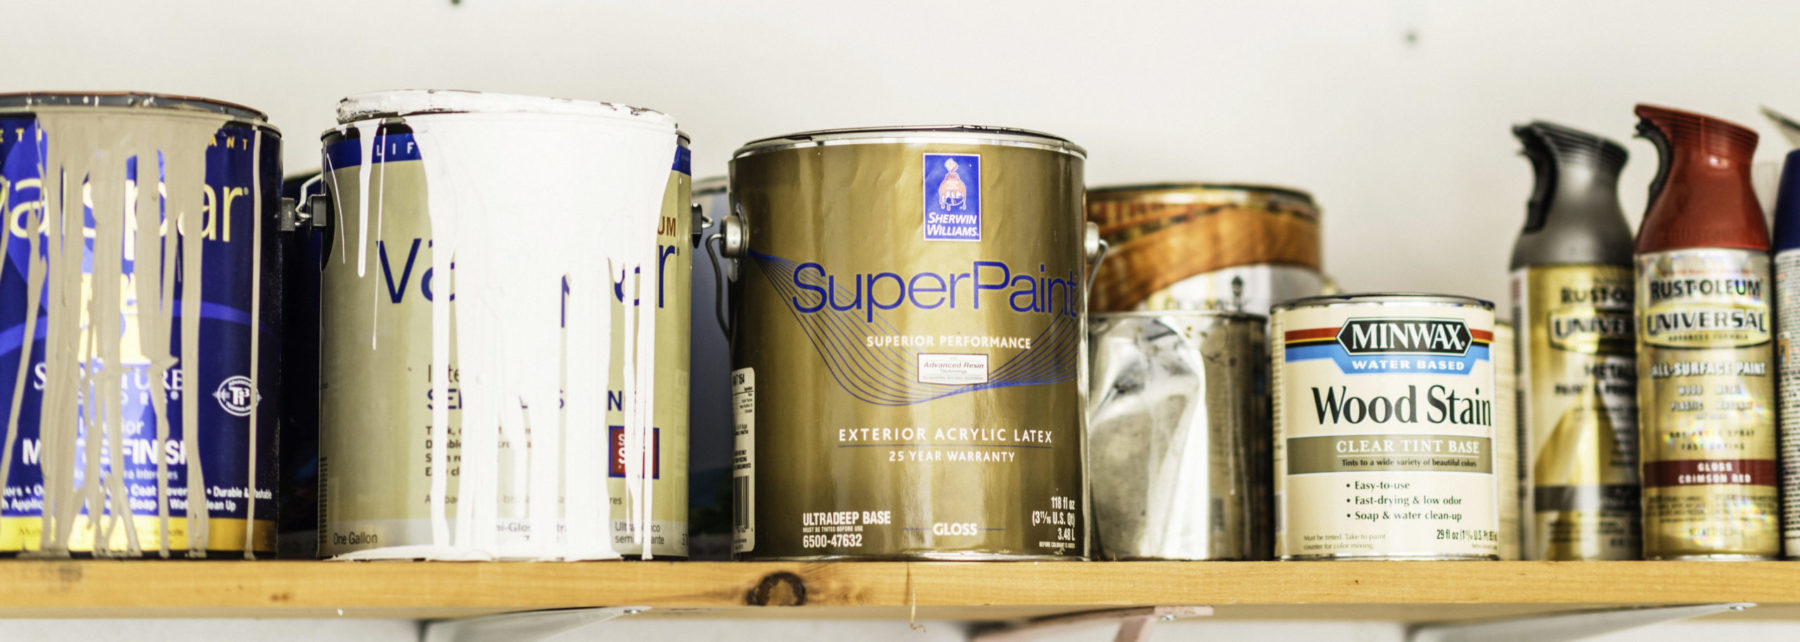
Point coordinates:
[(952, 197), (1359, 346), (221, 378)]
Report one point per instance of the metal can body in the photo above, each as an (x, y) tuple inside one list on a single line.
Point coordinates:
[(1578, 391), (1205, 247), (186, 364), (1509, 474), (1787, 320), (915, 343), (1384, 414), (709, 397), (377, 453), (1706, 398), (1178, 436)]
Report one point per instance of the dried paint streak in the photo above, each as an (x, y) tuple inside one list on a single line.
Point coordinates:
[(540, 215), (85, 152)]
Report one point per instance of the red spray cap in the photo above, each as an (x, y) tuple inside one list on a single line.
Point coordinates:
[(1701, 196)]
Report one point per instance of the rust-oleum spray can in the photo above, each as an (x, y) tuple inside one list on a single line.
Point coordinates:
[(1571, 294), (1706, 393), (1787, 346)]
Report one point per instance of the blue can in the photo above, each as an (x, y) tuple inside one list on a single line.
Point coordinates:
[(83, 477)]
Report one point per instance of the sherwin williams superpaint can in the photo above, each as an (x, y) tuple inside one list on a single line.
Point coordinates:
[(1706, 393), (1204, 246), (1509, 477), (909, 343), (1571, 298), (709, 397), (186, 362), (1787, 346), (1384, 428), (1178, 436), (376, 451)]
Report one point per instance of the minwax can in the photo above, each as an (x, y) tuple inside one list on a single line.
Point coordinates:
[(1205, 246), (1706, 398), (526, 174), (1384, 428), (909, 344), (1571, 300), (1787, 350), (142, 326)]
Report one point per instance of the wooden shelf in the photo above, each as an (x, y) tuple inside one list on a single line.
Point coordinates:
[(1399, 591)]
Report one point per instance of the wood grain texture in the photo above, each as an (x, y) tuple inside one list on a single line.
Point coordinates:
[(1406, 591)]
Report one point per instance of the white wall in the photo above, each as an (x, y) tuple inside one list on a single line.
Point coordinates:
[(1394, 114)]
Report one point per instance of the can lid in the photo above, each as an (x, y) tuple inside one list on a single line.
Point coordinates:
[(416, 102), (964, 134), (141, 99), (1189, 187), (1383, 298)]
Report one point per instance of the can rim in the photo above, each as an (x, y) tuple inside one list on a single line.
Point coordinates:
[(27, 100), (1144, 314), (403, 103), (1190, 186), (963, 134), (1382, 298)]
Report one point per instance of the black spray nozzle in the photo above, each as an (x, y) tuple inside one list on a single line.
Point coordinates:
[(1567, 162)]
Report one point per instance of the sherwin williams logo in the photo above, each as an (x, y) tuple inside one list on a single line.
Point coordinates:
[(952, 197), (1409, 336)]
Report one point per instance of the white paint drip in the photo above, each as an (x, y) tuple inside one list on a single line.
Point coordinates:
[(365, 135), (510, 191), (255, 337), (85, 161)]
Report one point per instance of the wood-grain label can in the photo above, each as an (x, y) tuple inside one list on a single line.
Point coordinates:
[(1384, 428)]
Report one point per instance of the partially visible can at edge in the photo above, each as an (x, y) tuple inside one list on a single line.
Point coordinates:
[(1384, 428), (302, 258), (238, 175), (1509, 471), (376, 478), (1178, 435), (909, 343), (709, 388), (1203, 246)]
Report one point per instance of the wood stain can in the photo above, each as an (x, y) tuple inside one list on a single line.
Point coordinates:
[(1384, 428), (1205, 246), (909, 345), (186, 363), (381, 449)]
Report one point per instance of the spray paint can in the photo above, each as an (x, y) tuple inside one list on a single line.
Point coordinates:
[(1706, 404), (147, 303), (917, 341), (1509, 477), (1571, 296), (1787, 345)]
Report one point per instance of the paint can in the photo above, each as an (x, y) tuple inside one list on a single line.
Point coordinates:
[(1384, 428), (1205, 246), (185, 362), (302, 257), (1787, 344), (709, 393), (1178, 436), (1509, 472), (506, 270), (917, 340)]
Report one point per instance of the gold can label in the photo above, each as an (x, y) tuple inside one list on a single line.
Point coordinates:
[(1384, 429), (1706, 397), (1578, 401)]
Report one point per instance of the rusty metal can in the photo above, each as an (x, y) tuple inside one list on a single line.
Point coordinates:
[(1178, 435), (916, 339), (1384, 428), (1205, 246)]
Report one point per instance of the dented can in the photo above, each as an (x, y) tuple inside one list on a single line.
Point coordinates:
[(909, 343), (1384, 428), (1178, 435)]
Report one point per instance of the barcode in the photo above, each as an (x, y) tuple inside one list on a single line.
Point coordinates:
[(324, 475), (740, 503)]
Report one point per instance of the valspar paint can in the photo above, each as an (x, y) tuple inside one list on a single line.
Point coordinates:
[(1204, 246), (1178, 435), (1384, 413), (506, 271), (916, 339), (162, 301)]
